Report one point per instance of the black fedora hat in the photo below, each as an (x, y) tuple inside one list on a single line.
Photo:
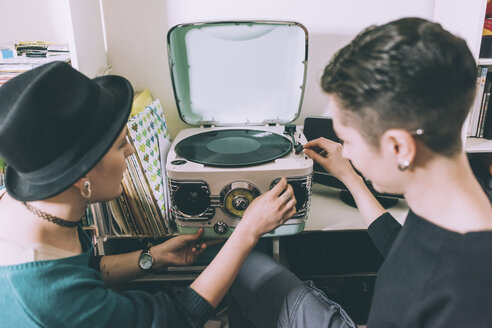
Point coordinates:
[(55, 125)]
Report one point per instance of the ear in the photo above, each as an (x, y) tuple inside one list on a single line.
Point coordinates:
[(400, 144), (80, 183)]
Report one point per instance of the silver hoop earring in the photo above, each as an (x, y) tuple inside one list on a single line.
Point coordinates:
[(403, 165), (86, 191)]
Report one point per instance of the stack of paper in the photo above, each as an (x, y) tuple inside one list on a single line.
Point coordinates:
[(14, 64)]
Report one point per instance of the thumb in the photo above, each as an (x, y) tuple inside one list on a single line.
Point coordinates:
[(197, 235), (190, 238)]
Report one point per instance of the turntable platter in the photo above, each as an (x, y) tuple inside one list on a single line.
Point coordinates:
[(233, 147)]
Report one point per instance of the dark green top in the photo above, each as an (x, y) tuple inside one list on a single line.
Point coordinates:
[(68, 293)]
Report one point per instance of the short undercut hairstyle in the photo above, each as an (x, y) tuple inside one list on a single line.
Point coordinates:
[(407, 74)]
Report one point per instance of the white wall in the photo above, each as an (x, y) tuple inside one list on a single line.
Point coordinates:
[(136, 32), (76, 23), (86, 42), (321, 16), (136, 41), (463, 20), (136, 35), (27, 20)]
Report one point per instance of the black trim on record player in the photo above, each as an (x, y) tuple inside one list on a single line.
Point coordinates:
[(191, 200), (302, 192), (233, 147)]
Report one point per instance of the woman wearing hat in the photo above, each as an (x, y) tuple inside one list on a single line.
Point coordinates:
[(399, 95), (63, 137)]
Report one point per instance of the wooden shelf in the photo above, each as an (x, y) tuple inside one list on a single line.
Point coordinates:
[(141, 237), (478, 145)]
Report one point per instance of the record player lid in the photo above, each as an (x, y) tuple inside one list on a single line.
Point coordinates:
[(230, 73)]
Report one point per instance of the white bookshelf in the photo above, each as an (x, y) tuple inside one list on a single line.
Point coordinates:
[(485, 61), (76, 23), (478, 145), (466, 18)]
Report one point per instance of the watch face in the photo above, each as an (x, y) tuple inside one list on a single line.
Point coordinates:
[(145, 261)]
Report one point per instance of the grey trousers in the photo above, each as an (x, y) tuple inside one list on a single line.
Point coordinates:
[(265, 294)]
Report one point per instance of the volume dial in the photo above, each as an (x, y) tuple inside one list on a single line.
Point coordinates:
[(236, 197), (240, 203)]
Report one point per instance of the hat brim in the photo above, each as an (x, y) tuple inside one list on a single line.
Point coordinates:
[(23, 190)]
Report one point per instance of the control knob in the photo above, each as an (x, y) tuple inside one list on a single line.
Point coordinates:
[(240, 203), (221, 227)]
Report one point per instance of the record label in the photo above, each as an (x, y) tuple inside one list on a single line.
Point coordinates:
[(234, 145)]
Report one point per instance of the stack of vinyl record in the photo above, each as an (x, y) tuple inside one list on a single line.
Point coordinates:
[(140, 210), (136, 211)]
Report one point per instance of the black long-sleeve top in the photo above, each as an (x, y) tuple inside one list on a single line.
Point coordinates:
[(431, 277)]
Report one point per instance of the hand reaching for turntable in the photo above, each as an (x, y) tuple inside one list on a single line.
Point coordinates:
[(269, 210), (328, 154)]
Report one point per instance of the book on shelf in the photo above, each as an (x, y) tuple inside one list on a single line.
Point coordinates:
[(487, 125), (480, 124), (477, 105), (23, 61), (484, 106)]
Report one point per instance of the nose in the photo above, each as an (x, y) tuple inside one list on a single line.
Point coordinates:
[(131, 151)]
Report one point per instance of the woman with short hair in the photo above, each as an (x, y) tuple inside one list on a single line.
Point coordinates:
[(399, 95)]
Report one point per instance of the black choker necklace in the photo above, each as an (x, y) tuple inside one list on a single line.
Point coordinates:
[(51, 218)]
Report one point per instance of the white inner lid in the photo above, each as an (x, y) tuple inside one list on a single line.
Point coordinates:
[(238, 73)]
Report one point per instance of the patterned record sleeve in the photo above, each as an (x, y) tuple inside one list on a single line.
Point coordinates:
[(145, 128)]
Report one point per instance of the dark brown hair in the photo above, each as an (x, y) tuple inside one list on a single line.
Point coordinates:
[(409, 74)]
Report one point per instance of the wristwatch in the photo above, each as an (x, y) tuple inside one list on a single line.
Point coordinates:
[(146, 260)]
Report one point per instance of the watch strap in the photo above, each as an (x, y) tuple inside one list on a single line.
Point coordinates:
[(146, 249)]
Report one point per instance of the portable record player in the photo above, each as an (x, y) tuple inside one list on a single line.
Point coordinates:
[(240, 82)]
